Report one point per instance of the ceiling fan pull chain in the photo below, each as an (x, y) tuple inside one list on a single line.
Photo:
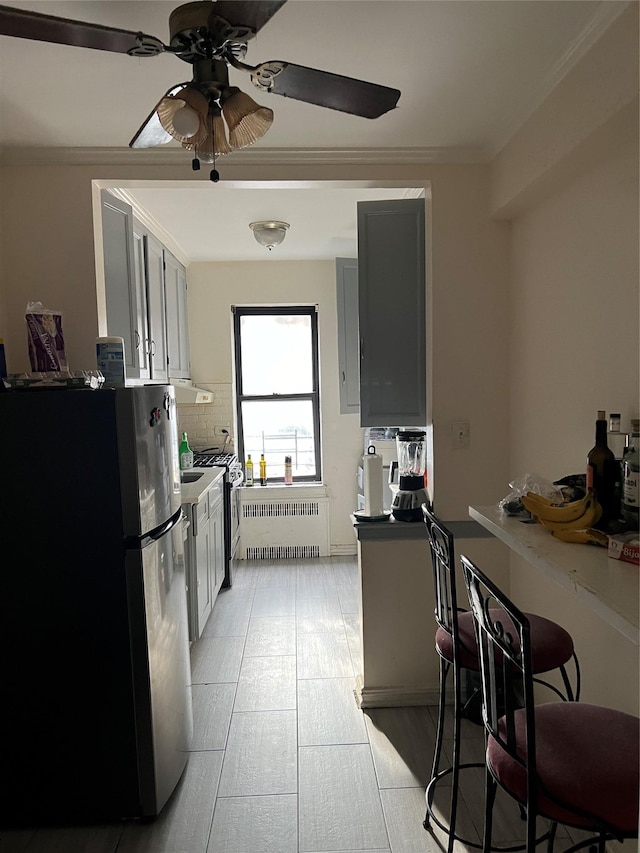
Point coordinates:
[(214, 174)]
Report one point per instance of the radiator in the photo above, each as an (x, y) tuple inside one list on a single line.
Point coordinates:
[(280, 529)]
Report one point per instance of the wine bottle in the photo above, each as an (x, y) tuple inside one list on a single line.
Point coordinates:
[(631, 490), (186, 454), (288, 473), (603, 475), (263, 470), (248, 471)]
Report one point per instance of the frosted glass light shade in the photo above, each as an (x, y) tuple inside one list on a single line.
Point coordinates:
[(269, 233), (214, 142), (247, 121), (170, 110)]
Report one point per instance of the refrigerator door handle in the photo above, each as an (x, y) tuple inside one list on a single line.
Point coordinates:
[(157, 533)]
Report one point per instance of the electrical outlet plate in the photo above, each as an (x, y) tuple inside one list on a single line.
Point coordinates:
[(460, 435)]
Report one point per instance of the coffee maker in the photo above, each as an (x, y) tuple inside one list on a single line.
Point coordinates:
[(412, 493)]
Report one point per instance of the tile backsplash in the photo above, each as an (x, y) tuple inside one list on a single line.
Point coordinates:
[(204, 422)]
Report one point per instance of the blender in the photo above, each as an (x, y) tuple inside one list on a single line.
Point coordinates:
[(407, 501)]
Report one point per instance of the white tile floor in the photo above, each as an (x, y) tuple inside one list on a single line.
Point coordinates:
[(282, 760)]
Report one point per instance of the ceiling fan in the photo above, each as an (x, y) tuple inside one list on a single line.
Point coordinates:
[(207, 115)]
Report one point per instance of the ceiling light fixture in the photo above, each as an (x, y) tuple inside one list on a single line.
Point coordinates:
[(269, 233)]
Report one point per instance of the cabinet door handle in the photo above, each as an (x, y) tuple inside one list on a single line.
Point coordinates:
[(152, 348), (137, 334), (344, 378)]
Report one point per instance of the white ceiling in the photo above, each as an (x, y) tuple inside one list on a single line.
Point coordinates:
[(470, 72)]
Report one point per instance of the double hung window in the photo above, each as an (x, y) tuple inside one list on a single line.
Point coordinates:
[(277, 389)]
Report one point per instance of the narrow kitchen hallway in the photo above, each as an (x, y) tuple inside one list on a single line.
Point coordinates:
[(283, 761)]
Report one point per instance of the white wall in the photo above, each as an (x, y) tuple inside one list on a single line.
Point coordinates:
[(574, 309), (47, 249), (213, 288)]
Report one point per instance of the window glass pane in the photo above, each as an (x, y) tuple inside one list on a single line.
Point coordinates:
[(276, 354), (278, 429)]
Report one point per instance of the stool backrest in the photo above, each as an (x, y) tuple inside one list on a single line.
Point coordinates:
[(504, 648), (444, 576)]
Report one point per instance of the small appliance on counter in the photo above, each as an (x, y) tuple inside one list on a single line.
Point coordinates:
[(411, 465)]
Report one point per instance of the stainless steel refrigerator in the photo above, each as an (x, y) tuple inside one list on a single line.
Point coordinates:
[(96, 715)]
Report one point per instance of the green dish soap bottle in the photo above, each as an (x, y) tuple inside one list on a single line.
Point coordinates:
[(186, 454)]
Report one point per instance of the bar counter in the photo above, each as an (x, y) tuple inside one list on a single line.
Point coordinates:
[(608, 587)]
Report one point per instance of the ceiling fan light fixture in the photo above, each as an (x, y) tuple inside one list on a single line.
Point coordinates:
[(214, 143), (269, 233), (184, 115), (247, 121)]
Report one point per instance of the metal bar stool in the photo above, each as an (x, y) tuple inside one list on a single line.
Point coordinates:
[(569, 762), (455, 642)]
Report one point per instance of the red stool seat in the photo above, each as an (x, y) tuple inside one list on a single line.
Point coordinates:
[(551, 645), (586, 759)]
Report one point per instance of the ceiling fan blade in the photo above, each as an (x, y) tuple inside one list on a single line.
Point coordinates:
[(25, 24), (357, 97), (248, 13), (151, 132)]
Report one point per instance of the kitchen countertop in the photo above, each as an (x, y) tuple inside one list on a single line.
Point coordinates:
[(609, 587), (402, 530), (192, 493)]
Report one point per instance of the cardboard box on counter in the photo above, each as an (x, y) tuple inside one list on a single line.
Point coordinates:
[(626, 547)]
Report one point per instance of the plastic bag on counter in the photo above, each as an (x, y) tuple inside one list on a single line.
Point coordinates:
[(45, 338), (511, 503)]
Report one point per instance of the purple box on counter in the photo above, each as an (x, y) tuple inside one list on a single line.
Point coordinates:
[(46, 342)]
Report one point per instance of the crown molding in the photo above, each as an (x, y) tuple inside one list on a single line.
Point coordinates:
[(173, 156), (604, 16), (152, 224)]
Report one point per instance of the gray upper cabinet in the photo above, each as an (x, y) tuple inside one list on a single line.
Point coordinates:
[(124, 284), (146, 296), (175, 288), (158, 346), (391, 312), (348, 351)]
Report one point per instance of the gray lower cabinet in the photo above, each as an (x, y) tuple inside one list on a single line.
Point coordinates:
[(382, 316), (204, 551)]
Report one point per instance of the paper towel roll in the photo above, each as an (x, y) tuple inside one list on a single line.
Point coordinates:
[(372, 468)]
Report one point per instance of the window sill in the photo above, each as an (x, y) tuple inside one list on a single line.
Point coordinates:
[(278, 491)]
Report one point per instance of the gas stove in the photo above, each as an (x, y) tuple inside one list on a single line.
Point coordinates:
[(220, 460)]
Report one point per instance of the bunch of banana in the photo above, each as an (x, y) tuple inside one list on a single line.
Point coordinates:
[(582, 514), (586, 536)]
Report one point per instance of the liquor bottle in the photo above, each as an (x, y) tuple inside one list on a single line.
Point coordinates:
[(617, 441), (603, 475), (248, 471), (631, 490), (263, 470), (186, 454), (288, 473)]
